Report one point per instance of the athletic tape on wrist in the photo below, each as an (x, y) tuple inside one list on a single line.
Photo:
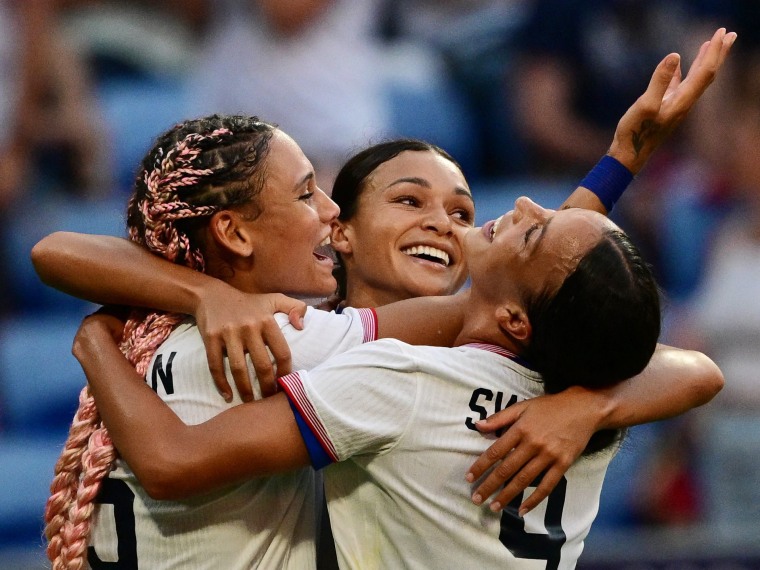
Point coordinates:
[(608, 180)]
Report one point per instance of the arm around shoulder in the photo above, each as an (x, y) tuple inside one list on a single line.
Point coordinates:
[(171, 459), (674, 382), (112, 270)]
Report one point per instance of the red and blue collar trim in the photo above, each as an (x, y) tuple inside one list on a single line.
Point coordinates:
[(502, 351)]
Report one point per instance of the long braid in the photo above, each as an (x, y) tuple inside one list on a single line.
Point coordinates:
[(189, 175)]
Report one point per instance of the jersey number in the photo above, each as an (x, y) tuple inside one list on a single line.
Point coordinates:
[(536, 546), (117, 493)]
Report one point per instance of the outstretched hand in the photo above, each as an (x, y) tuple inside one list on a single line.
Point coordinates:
[(667, 101), (239, 323), (545, 435)]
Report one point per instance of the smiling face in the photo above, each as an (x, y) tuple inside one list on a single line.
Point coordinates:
[(530, 250), (295, 220), (405, 239)]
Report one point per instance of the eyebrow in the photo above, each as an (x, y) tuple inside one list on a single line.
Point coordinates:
[(303, 181), (458, 190)]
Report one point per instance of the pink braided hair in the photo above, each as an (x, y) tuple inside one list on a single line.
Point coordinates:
[(88, 453)]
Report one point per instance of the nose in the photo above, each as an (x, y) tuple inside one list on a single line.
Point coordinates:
[(527, 208), (436, 219), (327, 209)]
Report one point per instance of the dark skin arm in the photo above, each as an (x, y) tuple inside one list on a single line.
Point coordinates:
[(111, 270), (160, 448), (561, 425)]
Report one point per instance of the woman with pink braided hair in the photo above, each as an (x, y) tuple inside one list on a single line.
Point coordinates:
[(197, 196)]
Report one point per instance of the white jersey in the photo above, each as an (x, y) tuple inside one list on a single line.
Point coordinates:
[(400, 419), (262, 523)]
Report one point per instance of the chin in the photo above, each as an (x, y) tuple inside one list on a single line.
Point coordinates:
[(431, 290), (318, 290)]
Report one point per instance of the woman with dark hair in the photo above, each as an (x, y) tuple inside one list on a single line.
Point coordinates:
[(398, 420), (404, 207)]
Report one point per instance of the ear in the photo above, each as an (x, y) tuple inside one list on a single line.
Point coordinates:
[(340, 238), (231, 233), (513, 320)]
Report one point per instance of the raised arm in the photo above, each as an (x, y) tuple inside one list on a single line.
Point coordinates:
[(652, 118), (171, 459), (547, 434), (111, 270)]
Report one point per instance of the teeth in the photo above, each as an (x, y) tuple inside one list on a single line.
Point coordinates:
[(429, 251), (495, 227), (325, 242)]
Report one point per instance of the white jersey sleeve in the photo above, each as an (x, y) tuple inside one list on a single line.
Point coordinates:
[(348, 408), (326, 334)]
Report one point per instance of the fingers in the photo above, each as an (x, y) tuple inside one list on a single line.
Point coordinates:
[(662, 78), (495, 453), (295, 309), (706, 65), (279, 348), (215, 355), (526, 477), (701, 74), (511, 471), (548, 482), (239, 366), (295, 316), (728, 42), (501, 419), (262, 365), (675, 81)]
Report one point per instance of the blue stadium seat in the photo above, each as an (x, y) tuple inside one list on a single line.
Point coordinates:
[(26, 470), (33, 222), (40, 380), (39, 386)]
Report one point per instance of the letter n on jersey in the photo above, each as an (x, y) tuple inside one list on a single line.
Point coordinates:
[(167, 381)]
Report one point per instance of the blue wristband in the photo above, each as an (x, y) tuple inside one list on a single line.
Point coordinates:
[(608, 180)]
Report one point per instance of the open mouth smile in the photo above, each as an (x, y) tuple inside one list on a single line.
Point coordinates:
[(324, 250), (428, 253)]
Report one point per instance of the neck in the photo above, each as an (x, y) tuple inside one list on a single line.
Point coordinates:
[(480, 326), (365, 297)]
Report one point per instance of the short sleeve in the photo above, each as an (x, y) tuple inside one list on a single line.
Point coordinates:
[(326, 334), (360, 402)]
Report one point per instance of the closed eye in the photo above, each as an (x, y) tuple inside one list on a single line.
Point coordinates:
[(531, 229)]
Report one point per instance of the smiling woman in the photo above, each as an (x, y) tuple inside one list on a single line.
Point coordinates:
[(405, 207), (236, 198)]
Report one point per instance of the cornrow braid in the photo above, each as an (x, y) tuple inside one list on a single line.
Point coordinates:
[(194, 170)]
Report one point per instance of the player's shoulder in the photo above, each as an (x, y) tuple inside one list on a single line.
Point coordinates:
[(389, 353), (185, 336)]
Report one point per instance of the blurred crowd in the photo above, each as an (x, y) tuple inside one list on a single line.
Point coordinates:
[(522, 92)]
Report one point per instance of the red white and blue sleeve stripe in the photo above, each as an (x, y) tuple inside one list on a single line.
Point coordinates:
[(321, 450), (369, 323)]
